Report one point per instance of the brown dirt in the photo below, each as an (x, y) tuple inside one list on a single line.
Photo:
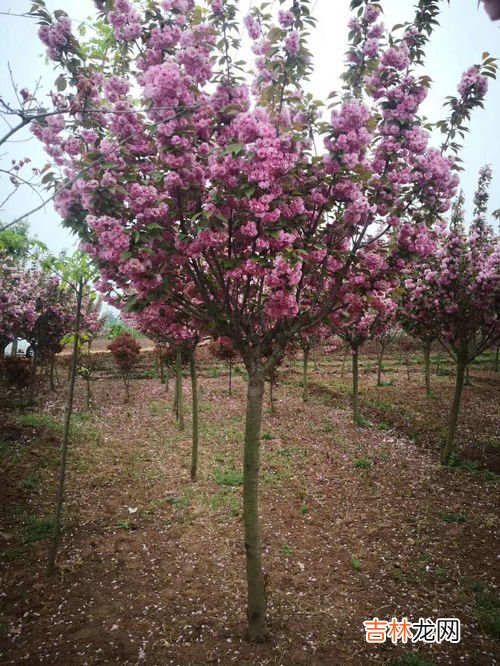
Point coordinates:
[(151, 567)]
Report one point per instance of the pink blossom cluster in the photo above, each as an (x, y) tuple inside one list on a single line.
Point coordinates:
[(453, 295), (211, 205), (125, 20), (56, 37), (473, 83)]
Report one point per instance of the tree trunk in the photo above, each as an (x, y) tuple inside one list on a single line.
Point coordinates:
[(32, 387), (427, 368), (467, 381), (496, 358), (160, 368), (305, 394), (342, 367), (380, 356), (89, 393), (355, 386), (127, 388), (51, 374), (180, 399), (271, 397), (64, 446), (230, 375), (256, 610), (438, 364), (194, 389), (315, 360), (448, 446)]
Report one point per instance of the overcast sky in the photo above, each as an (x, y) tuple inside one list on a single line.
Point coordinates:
[(465, 33)]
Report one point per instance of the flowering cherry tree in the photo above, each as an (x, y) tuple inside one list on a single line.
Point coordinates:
[(307, 341), (366, 315), (383, 339), (455, 294), (198, 191), (126, 352), (17, 301), (182, 339), (223, 349)]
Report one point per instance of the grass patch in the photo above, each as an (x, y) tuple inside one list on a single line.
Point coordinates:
[(11, 452), (35, 420), (226, 501), (228, 477), (13, 554), (37, 529), (363, 463), (413, 660), (355, 563), (448, 517), (31, 481), (487, 611), (473, 467), (157, 408), (286, 550), (267, 435), (362, 422)]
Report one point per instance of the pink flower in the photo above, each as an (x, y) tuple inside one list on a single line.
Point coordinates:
[(292, 43), (285, 18)]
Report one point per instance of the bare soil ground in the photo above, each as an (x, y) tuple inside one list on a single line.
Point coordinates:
[(357, 522)]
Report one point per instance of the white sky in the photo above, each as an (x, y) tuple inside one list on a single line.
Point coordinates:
[(465, 33)]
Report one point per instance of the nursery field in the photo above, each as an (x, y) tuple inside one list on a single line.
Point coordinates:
[(357, 521)]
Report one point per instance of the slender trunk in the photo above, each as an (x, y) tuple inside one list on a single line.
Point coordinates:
[(496, 358), (230, 374), (51, 374), (408, 366), (342, 367), (448, 446), (159, 368), (167, 377), (180, 399), (34, 365), (380, 356), (89, 394), (355, 386), (127, 388), (176, 394), (256, 610), (427, 368), (64, 446), (194, 389), (305, 394), (315, 360), (438, 364), (271, 396), (467, 381)]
